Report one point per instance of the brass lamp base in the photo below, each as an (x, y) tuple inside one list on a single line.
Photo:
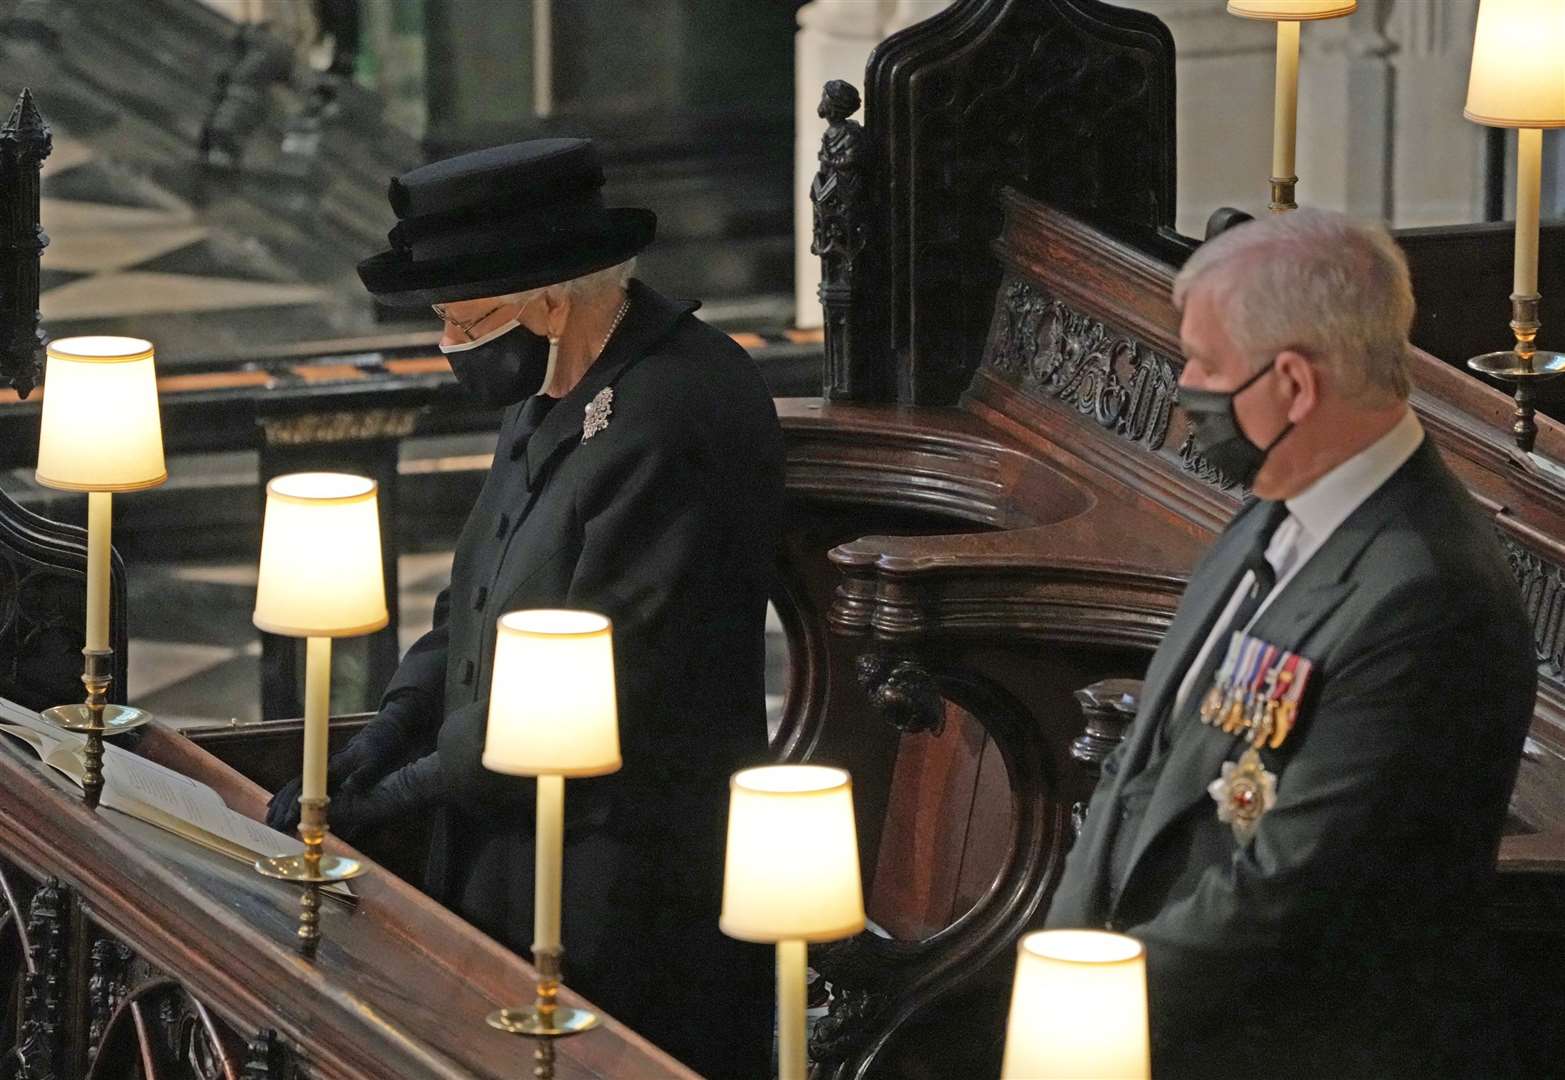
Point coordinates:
[(547, 1020), (312, 869), (1524, 367), (95, 718), (567, 1021)]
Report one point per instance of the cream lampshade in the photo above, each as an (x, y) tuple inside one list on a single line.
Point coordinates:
[(791, 876), (1078, 1008), (320, 570), (552, 706), (792, 867), (1291, 10), (1518, 74), (100, 429)]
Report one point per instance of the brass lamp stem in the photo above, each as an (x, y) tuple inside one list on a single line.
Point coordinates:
[(1283, 188), (97, 675), (312, 830), (547, 1020)]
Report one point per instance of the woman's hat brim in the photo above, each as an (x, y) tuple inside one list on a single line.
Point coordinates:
[(396, 280)]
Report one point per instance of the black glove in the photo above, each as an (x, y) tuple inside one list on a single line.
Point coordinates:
[(404, 793), (385, 743)]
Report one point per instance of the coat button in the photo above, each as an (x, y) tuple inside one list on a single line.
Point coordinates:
[(505, 525), (481, 598), (467, 672)]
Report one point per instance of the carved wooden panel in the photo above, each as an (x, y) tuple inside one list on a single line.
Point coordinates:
[(1070, 101), (88, 1006)]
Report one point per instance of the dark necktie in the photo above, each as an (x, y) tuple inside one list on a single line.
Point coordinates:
[(1261, 584)]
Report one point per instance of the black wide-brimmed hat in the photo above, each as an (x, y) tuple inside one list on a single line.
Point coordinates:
[(499, 221)]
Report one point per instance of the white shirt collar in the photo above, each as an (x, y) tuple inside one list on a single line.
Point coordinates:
[(1327, 502)]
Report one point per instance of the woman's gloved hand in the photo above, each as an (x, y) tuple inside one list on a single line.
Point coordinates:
[(383, 745), (403, 793)]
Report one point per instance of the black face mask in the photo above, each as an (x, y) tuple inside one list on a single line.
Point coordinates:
[(1218, 436), (503, 371)]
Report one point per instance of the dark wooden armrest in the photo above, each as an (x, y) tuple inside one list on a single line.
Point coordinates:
[(267, 752)]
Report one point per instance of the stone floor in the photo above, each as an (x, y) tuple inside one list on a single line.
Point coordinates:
[(195, 657)]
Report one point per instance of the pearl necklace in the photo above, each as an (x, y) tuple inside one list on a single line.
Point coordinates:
[(619, 317)]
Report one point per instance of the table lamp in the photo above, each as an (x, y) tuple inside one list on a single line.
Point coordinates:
[(552, 714), (1078, 1008), (320, 578), (1287, 14), (791, 876), (1518, 81), (99, 434)]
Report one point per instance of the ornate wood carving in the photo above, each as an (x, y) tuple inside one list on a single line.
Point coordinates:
[(1543, 592), (43, 570), (903, 692), (1107, 707), (41, 1035), (268, 1058), (1048, 348), (310, 429), (25, 141), (107, 986), (881, 988), (840, 194), (1070, 101)]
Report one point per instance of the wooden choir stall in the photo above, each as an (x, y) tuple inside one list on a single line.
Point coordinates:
[(991, 514)]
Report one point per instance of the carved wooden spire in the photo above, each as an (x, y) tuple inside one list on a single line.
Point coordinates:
[(25, 141)]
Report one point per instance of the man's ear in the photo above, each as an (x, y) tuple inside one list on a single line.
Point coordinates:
[(1302, 380)]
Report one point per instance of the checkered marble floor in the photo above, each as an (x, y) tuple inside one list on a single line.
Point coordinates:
[(195, 657)]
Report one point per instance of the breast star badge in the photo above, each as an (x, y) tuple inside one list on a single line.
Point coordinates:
[(599, 409), (1244, 792)]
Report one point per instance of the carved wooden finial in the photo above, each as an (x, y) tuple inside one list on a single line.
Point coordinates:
[(26, 134), (839, 100)]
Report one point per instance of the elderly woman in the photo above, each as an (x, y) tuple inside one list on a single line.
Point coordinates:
[(638, 474)]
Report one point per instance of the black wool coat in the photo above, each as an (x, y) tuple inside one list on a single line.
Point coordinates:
[(666, 520), (1350, 936)]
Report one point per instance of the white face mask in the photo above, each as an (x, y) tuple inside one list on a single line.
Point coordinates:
[(482, 339)]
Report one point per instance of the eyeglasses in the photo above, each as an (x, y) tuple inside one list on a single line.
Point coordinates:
[(465, 327)]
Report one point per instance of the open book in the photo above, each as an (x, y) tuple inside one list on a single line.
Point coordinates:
[(152, 793)]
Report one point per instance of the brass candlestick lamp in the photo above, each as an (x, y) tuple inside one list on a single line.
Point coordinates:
[(1518, 81), (1287, 14), (790, 877), (320, 578), (100, 434), (552, 714)]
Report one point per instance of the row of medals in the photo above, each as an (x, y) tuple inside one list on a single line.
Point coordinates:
[(1262, 715)]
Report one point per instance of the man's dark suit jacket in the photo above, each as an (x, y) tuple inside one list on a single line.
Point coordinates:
[(666, 521), (1348, 938)]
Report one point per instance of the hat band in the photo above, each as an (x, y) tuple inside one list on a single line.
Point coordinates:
[(424, 239)]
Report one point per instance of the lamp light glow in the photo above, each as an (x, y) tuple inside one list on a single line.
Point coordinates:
[(791, 871), (1518, 75), (552, 704), (1078, 1008), (321, 572), (100, 429)]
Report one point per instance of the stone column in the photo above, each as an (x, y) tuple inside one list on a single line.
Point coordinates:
[(1223, 71), (1437, 155), (1346, 112)]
